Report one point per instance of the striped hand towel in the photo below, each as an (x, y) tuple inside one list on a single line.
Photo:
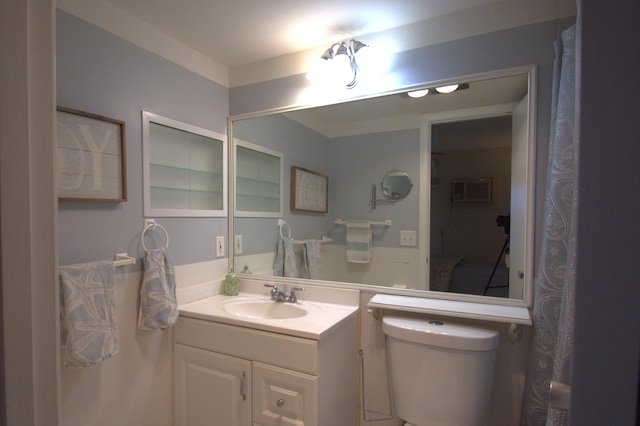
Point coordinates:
[(359, 241)]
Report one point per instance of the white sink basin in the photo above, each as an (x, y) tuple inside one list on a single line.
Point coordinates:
[(263, 309), (309, 319), (266, 309)]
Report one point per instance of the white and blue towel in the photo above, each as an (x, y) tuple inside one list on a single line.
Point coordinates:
[(158, 304), (314, 258), (290, 259), (89, 332), (359, 244), (298, 259)]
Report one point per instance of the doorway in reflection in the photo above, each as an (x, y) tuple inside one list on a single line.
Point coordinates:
[(470, 203)]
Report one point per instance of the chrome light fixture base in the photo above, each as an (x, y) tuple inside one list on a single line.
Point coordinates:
[(349, 49)]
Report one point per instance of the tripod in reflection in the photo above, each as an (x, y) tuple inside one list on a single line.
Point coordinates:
[(505, 222), (505, 249)]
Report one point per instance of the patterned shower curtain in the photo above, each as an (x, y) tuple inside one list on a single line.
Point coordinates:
[(553, 308)]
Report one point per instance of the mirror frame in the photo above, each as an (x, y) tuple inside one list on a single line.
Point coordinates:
[(399, 196), (425, 186)]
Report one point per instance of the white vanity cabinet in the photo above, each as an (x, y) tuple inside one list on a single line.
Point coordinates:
[(228, 375), (211, 388)]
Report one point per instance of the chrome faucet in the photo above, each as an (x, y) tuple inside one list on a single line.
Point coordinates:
[(292, 295), (278, 296)]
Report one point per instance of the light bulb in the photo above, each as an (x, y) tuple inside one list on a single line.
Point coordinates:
[(447, 89), (418, 93)]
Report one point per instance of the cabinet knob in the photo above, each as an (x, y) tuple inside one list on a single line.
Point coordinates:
[(280, 402)]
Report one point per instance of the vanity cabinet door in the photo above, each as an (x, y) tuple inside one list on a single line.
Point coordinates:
[(284, 397), (210, 388)]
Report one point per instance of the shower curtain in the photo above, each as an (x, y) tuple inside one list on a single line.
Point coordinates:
[(553, 306)]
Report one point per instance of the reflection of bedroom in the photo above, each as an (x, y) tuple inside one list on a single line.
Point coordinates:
[(466, 240)]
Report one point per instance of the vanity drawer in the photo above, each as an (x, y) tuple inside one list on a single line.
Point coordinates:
[(292, 353), (282, 396)]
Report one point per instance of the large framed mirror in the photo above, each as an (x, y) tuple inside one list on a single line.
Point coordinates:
[(463, 232)]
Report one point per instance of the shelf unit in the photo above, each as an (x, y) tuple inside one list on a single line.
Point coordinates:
[(185, 169), (258, 181)]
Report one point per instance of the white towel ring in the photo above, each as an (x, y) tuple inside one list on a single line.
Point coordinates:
[(282, 224), (150, 227)]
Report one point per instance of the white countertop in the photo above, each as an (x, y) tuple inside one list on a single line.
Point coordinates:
[(320, 319)]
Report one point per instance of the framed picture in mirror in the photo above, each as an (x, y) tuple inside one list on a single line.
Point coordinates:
[(309, 191)]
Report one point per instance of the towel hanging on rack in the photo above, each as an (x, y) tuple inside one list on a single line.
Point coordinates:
[(297, 259), (359, 241), (314, 258), (158, 304), (291, 259), (88, 328)]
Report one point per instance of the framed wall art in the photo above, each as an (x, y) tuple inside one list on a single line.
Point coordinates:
[(91, 157), (309, 191)]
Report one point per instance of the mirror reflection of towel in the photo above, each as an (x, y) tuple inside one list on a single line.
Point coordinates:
[(158, 304), (291, 259), (314, 258), (298, 259), (359, 244), (89, 333)]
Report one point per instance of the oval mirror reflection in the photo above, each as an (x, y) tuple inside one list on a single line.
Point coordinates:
[(396, 185)]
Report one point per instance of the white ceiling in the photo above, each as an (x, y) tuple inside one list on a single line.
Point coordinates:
[(397, 111), (240, 32)]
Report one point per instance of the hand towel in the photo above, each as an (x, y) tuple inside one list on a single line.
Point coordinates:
[(89, 332), (158, 304), (314, 258), (358, 241), (286, 264)]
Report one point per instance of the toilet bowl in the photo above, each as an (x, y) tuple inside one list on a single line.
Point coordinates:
[(441, 373)]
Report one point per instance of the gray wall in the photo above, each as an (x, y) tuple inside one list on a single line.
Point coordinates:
[(357, 162), (352, 163), (100, 73), (300, 147)]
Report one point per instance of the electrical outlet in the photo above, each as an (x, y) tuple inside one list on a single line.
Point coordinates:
[(220, 246), (237, 247), (408, 238)]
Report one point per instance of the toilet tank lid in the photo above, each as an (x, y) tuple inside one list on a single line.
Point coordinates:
[(440, 333)]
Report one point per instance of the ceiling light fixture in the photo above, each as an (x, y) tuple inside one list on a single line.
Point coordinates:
[(347, 50), (447, 89), (418, 93)]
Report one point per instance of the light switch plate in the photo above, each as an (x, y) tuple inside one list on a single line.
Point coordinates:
[(237, 247), (408, 238), (220, 246)]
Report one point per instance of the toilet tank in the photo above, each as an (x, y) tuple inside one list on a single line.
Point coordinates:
[(441, 372)]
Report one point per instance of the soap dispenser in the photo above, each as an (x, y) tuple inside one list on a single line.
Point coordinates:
[(231, 284)]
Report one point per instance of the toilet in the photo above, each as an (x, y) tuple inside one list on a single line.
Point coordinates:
[(441, 373)]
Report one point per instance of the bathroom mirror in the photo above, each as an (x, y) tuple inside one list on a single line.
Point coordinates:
[(483, 133), (396, 185)]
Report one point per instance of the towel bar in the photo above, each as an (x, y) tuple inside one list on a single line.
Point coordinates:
[(282, 223), (123, 259), (386, 222)]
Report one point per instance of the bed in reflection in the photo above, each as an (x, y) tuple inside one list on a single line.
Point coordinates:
[(457, 275)]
